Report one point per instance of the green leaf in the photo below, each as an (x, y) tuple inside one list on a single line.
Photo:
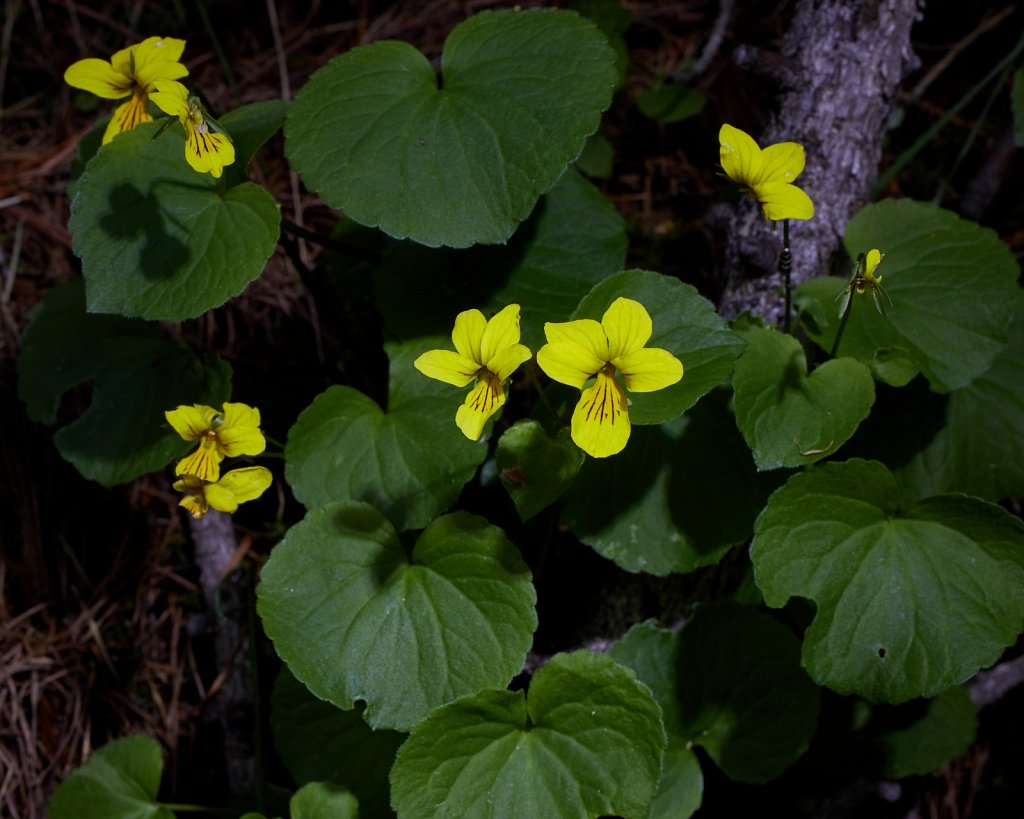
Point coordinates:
[(911, 598), (534, 468), (461, 159), (787, 417), (356, 618), (586, 741), (953, 287), (573, 240), (668, 101), (677, 498), (597, 158), (943, 733), (318, 741), (136, 374), (730, 682), (685, 324), (250, 126), (323, 800), (159, 240), (1017, 102), (119, 781), (653, 653), (979, 450), (411, 462)]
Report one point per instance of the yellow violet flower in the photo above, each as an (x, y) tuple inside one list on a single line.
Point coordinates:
[(234, 432), (131, 72), (580, 350), (207, 148), (237, 486), (768, 175), (864, 281), (488, 351)]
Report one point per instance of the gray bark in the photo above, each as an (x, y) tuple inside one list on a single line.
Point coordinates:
[(232, 705), (843, 62)]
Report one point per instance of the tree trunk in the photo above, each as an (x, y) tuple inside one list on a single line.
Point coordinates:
[(843, 62)]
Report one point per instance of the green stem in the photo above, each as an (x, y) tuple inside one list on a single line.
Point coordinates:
[(173, 806), (222, 58), (534, 373), (363, 253), (905, 158), (786, 269), (842, 325)]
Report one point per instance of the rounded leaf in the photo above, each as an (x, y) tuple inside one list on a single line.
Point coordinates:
[(356, 618), (911, 599), (159, 240), (586, 741), (461, 159)]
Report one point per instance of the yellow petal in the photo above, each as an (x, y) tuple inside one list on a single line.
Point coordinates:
[(585, 332), (781, 200), (568, 363), (157, 58), (740, 157), (190, 422), (208, 152), (628, 326), (485, 399), (126, 116), (649, 369), (600, 422), (170, 97), (469, 330), (874, 258), (782, 162), (508, 360), (98, 77), (196, 504), (447, 366), (239, 434), (502, 331), (204, 462), (238, 486)]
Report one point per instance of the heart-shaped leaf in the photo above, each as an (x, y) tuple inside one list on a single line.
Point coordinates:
[(685, 324), (136, 374), (320, 742), (944, 732), (120, 780), (462, 160), (979, 450), (586, 741), (787, 417), (411, 462), (573, 240), (676, 499), (730, 682), (911, 599), (534, 468), (356, 618), (159, 240), (953, 286)]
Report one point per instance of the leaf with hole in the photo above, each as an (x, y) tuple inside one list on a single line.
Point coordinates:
[(911, 598)]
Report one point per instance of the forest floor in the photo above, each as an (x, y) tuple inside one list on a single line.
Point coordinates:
[(101, 628)]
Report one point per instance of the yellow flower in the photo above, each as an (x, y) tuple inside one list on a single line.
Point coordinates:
[(208, 148), (235, 432), (864, 281), (237, 486), (767, 174), (488, 351), (580, 350), (131, 73)]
